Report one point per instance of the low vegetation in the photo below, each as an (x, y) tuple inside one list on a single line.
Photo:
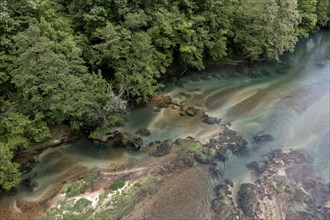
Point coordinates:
[(113, 203)]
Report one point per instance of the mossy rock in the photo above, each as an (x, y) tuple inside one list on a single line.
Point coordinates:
[(163, 149), (73, 188), (201, 158), (191, 111), (102, 134), (189, 145)]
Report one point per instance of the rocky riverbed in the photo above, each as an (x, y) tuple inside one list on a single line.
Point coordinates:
[(288, 187)]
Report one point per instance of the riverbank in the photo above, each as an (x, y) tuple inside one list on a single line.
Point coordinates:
[(166, 161)]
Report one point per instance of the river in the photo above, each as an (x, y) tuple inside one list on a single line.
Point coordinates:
[(288, 100)]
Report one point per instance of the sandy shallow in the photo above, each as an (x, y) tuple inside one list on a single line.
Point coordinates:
[(182, 196)]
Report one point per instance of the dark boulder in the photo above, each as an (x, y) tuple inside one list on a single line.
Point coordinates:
[(232, 141), (215, 171), (246, 198), (143, 132), (229, 182), (125, 140), (326, 189), (28, 166), (163, 149), (182, 114), (30, 182), (191, 111), (309, 183), (211, 120), (301, 196), (201, 157), (258, 168)]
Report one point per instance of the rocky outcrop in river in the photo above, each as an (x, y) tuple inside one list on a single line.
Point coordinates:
[(216, 148), (287, 187)]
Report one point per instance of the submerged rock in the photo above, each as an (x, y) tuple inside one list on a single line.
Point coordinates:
[(223, 200), (211, 120), (258, 168), (229, 182), (309, 183), (215, 171), (28, 166), (161, 101), (191, 111), (262, 138), (326, 189), (143, 132), (201, 157), (186, 95), (30, 182), (125, 140)]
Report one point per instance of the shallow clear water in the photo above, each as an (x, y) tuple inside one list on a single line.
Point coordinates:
[(289, 100)]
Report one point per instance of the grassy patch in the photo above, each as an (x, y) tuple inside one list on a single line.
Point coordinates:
[(189, 145), (117, 185), (71, 210), (280, 186), (73, 188), (122, 203), (149, 185), (119, 204), (90, 178), (76, 187), (196, 146)]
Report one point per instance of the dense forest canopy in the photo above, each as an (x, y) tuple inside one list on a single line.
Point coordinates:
[(76, 61)]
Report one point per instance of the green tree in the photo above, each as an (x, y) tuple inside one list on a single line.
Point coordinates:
[(266, 29), (132, 57), (323, 12), (219, 23), (16, 133), (174, 35), (14, 17), (307, 11), (54, 85), (9, 175)]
